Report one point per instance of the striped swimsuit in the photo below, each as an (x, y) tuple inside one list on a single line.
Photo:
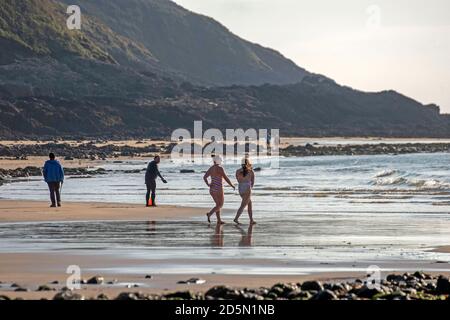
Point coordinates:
[(216, 184)]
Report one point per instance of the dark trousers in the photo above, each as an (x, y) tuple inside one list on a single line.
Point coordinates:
[(55, 196), (151, 190)]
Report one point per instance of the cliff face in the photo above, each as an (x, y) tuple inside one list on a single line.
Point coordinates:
[(196, 47), (146, 67)]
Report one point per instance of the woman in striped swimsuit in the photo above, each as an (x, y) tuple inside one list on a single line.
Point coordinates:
[(217, 175)]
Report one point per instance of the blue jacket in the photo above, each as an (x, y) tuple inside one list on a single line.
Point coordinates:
[(53, 171)]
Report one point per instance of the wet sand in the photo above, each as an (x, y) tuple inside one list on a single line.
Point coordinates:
[(443, 249), (32, 269), (29, 211)]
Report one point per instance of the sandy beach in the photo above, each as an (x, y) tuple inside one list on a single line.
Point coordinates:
[(443, 249), (28, 211), (33, 270), (30, 270), (35, 161), (327, 234)]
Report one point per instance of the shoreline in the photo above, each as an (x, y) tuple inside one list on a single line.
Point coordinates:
[(87, 155)]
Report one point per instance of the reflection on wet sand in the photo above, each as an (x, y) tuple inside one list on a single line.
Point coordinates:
[(217, 238), (246, 240), (151, 227), (350, 237)]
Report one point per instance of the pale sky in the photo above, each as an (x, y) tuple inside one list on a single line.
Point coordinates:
[(368, 45)]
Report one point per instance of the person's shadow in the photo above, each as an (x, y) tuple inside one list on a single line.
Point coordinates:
[(246, 237), (217, 237)]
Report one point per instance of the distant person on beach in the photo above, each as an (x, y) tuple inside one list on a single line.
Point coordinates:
[(246, 178), (53, 174), (217, 174), (151, 175)]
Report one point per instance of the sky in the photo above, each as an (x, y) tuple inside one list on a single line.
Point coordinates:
[(377, 45)]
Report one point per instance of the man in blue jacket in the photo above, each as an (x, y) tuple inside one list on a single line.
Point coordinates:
[(54, 176)]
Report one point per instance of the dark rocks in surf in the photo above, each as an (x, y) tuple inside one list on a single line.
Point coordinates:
[(192, 281), (44, 288), (37, 172), (93, 150), (96, 280), (364, 149)]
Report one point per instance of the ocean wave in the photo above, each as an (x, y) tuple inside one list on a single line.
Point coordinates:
[(421, 184), (392, 181), (293, 188), (429, 184), (385, 173)]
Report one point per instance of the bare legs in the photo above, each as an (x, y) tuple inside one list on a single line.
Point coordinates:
[(218, 198), (246, 202)]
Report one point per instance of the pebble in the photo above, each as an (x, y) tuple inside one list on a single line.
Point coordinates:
[(312, 286), (96, 280), (68, 295), (443, 285), (395, 287), (324, 295), (102, 296), (44, 288), (132, 296), (187, 171), (223, 292), (192, 281), (366, 292), (182, 295)]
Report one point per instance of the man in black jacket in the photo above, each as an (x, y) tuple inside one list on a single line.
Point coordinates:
[(150, 180)]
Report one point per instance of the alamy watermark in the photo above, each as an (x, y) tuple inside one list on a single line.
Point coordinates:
[(74, 280), (74, 20), (373, 280), (261, 145), (373, 22)]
